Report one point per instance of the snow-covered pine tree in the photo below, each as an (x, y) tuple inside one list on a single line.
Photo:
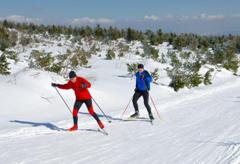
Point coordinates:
[(155, 75), (110, 55), (4, 65)]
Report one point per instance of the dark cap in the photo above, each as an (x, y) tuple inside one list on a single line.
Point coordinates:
[(140, 66), (72, 74)]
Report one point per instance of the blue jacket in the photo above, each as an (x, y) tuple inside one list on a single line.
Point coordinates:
[(142, 84)]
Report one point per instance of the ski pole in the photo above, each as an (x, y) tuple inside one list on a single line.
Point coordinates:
[(127, 107), (63, 100), (155, 107), (152, 101), (101, 110)]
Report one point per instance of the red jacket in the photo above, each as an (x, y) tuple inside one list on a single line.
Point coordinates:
[(81, 94)]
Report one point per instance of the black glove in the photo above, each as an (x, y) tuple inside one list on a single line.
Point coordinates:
[(142, 76), (135, 89), (84, 86), (54, 85)]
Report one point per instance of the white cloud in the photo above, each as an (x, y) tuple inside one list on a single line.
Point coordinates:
[(20, 19), (151, 17), (90, 21), (203, 16), (211, 17)]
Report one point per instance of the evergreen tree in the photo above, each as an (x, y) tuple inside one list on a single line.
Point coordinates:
[(110, 55), (4, 39), (132, 68), (155, 75), (4, 65), (99, 32), (160, 38), (154, 53), (207, 77)]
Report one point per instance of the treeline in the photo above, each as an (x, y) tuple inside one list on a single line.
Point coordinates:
[(189, 54), (179, 41)]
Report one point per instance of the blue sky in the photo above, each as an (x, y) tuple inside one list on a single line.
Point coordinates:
[(198, 16)]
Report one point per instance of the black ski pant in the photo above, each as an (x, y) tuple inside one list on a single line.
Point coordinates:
[(145, 95)]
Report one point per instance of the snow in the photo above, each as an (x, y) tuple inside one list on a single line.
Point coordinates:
[(197, 126)]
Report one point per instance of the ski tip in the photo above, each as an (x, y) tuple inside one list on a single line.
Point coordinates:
[(103, 131), (106, 133), (151, 122)]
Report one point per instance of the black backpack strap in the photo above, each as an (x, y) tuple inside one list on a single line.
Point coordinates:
[(148, 75)]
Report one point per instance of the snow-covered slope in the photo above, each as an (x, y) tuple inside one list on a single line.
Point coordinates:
[(197, 126)]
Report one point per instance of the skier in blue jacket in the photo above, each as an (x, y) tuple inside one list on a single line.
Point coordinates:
[(143, 80)]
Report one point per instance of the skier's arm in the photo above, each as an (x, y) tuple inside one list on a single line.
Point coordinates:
[(148, 78), (64, 86)]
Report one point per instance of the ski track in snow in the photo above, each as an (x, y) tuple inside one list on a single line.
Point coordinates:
[(45, 129), (126, 132)]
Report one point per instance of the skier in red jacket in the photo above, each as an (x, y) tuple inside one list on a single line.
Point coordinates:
[(80, 87)]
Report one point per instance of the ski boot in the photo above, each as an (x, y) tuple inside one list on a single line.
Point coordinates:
[(151, 117), (74, 128), (135, 115)]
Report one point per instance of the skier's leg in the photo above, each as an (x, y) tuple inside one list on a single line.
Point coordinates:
[(76, 108), (146, 103), (136, 96), (92, 113)]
